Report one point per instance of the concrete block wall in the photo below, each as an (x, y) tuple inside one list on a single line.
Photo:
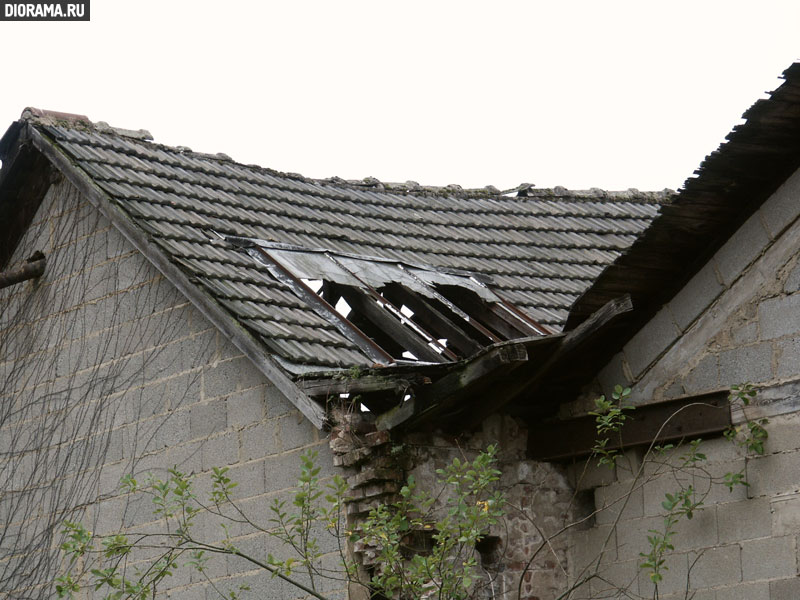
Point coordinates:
[(107, 370), (743, 543), (737, 320)]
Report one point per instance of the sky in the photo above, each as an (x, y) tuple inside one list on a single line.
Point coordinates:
[(606, 94)]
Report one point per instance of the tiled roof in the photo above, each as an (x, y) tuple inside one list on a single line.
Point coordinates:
[(540, 249)]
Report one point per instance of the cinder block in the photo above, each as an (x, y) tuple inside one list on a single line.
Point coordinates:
[(675, 575), (623, 498), (704, 377), (721, 451), (748, 363), (593, 546), (744, 520), (220, 451), (653, 339), (698, 532), (246, 408), (783, 433), (695, 297), (745, 334), (160, 432), (259, 440), (629, 464), (183, 390), (656, 488), (179, 356), (615, 577), (782, 208), (294, 431), (249, 478), (741, 249), (632, 535), (769, 558), (792, 283), (715, 567), (745, 591), (785, 589), (230, 376), (788, 358), (275, 403), (613, 374), (587, 475), (785, 515), (282, 470), (208, 418), (773, 474), (779, 316)]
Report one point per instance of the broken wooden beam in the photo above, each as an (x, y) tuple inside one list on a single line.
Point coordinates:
[(365, 384), (32, 268), (476, 373), (511, 389)]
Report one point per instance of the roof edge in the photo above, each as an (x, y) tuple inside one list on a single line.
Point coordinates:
[(42, 117), (730, 185), (224, 322)]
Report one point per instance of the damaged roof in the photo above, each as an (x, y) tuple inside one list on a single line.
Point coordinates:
[(534, 250)]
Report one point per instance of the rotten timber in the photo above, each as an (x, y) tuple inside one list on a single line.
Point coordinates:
[(509, 390), (32, 268), (467, 381), (687, 418), (368, 384)]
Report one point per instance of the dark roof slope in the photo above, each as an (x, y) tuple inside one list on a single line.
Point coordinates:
[(540, 249), (730, 184)]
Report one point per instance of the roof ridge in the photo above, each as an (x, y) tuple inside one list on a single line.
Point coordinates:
[(82, 122)]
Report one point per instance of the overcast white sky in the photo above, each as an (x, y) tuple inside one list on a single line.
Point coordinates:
[(579, 94)]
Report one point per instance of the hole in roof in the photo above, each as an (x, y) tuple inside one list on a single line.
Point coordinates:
[(422, 314), (342, 307), (314, 284)]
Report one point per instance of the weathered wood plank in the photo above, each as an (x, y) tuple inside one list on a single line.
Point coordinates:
[(451, 389), (359, 385), (432, 319), (507, 391), (382, 319), (688, 418)]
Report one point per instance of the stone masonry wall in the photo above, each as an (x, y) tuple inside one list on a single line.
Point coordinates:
[(540, 499), (107, 370), (737, 320)]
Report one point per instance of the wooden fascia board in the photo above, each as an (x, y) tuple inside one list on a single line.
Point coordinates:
[(683, 418), (220, 318)]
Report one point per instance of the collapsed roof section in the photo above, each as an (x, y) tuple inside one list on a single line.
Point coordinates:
[(442, 286), (537, 250)]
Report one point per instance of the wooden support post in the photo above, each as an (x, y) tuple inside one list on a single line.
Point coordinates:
[(33, 267)]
